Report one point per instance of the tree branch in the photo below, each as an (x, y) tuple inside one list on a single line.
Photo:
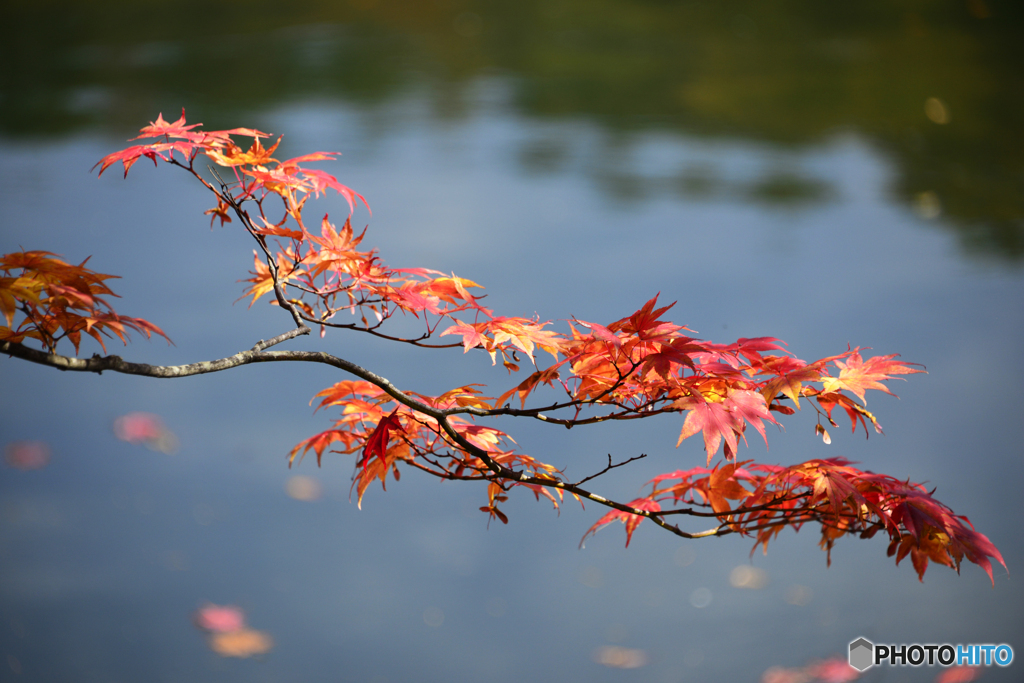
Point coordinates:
[(611, 467), (113, 363), (258, 354), (291, 334)]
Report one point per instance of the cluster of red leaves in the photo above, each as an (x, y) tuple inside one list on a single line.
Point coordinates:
[(841, 498), (323, 274), (385, 433), (57, 300), (636, 367), (642, 365)]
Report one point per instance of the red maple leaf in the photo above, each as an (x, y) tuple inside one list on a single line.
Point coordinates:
[(726, 420), (377, 443), (160, 127), (631, 520)]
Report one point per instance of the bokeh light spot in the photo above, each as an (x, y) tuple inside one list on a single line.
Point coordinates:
[(303, 488), (701, 598), (745, 576), (433, 617), (936, 110), (927, 205), (799, 595)]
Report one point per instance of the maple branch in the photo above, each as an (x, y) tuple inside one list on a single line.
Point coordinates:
[(373, 331), (290, 307), (738, 511), (114, 363), (629, 414), (786, 517), (537, 413), (99, 363), (291, 334), (523, 478), (225, 196), (445, 474), (610, 467)]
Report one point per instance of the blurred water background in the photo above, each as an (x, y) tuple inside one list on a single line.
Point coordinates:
[(825, 173)]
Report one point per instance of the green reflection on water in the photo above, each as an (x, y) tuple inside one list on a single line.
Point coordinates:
[(936, 86)]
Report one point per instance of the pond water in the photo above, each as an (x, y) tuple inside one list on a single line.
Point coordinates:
[(827, 176)]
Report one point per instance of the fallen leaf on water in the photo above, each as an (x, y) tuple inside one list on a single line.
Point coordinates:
[(241, 643), (620, 657), (146, 429), (27, 455), (777, 674), (832, 670), (229, 636), (959, 674), (219, 618)]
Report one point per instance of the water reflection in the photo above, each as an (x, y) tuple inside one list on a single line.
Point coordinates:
[(936, 86)]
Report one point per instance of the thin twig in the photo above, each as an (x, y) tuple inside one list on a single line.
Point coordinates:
[(611, 467)]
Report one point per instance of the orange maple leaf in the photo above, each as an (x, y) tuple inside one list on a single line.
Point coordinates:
[(857, 375)]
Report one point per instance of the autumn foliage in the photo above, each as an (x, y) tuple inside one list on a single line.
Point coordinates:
[(57, 301), (638, 367)]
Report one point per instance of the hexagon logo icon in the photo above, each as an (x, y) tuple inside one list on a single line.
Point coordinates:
[(862, 653)]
